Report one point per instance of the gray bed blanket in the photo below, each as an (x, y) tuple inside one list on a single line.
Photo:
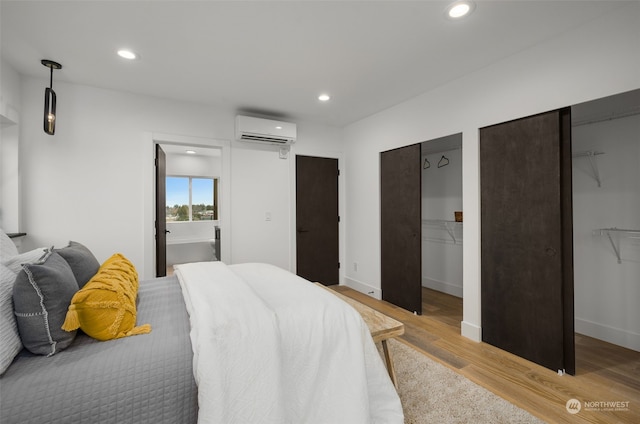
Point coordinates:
[(140, 379)]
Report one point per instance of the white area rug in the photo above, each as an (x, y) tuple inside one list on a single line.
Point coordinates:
[(433, 393)]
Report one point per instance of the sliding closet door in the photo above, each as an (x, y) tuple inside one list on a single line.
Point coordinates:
[(401, 226), (527, 250)]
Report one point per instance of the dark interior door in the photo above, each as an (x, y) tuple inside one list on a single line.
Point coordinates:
[(527, 243), (317, 240), (401, 227), (161, 213)]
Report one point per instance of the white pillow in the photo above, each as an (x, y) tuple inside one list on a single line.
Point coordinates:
[(14, 263), (7, 247), (10, 343)]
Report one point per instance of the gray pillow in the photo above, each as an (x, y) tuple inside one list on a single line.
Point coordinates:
[(15, 263), (10, 344), (82, 262), (41, 296)]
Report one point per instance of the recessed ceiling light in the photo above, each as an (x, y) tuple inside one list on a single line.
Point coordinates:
[(324, 97), (127, 54), (278, 127), (459, 9), (191, 152)]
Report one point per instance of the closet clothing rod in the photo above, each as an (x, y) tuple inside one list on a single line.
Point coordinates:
[(587, 153), (610, 117), (426, 151)]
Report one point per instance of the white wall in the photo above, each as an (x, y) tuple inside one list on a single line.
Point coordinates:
[(607, 292), (190, 231), (575, 67), (9, 148), (202, 165), (10, 103), (91, 182), (260, 184)]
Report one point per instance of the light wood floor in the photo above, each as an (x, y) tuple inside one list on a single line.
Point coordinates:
[(605, 373)]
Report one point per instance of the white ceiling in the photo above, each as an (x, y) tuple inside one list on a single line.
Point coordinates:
[(275, 58), (181, 150)]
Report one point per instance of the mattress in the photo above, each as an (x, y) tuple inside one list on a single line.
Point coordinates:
[(140, 379)]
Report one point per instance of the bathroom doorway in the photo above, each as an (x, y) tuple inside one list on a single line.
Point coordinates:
[(187, 206)]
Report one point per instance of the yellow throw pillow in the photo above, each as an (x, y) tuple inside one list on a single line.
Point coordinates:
[(105, 308), (119, 264)]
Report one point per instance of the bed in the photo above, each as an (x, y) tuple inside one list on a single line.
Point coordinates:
[(246, 343), (140, 379)]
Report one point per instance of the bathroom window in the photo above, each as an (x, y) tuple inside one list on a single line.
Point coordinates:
[(192, 199)]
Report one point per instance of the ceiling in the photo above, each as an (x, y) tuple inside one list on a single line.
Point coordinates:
[(181, 149), (275, 58)]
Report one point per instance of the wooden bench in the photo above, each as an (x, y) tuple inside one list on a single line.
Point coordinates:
[(382, 327)]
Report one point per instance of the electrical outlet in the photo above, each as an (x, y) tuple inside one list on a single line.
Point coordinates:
[(267, 216), (355, 266)]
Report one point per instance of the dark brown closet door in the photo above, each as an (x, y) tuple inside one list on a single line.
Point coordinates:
[(527, 244), (401, 227), (317, 233), (161, 213)]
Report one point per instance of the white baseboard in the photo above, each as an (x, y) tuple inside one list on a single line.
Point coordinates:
[(471, 331), (363, 288), (442, 286), (609, 334)]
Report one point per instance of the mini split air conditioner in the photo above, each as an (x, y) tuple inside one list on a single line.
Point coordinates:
[(266, 131)]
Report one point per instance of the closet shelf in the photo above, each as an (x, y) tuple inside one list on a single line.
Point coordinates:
[(591, 155), (448, 226), (621, 233)]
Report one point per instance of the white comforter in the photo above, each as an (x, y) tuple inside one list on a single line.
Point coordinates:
[(270, 347)]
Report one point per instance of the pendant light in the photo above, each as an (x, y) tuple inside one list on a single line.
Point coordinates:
[(50, 99)]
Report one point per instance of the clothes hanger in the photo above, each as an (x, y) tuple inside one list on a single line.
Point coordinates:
[(426, 164), (443, 161)]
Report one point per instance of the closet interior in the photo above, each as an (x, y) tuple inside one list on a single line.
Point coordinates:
[(606, 218), (442, 217)]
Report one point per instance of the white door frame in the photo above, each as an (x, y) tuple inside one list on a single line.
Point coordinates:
[(150, 193)]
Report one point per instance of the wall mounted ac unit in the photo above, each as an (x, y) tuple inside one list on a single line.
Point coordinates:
[(266, 131)]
